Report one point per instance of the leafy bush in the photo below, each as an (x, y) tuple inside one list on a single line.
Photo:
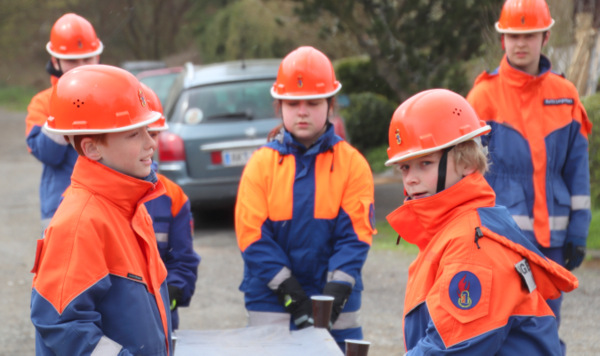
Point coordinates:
[(592, 106), (367, 120), (377, 157), (359, 75)]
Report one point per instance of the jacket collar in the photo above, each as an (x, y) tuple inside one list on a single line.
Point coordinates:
[(519, 78), (418, 221), (124, 191), (287, 144)]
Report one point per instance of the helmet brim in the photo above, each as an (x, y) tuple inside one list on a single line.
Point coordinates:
[(275, 95), (97, 52), (405, 156), (154, 116), (522, 31)]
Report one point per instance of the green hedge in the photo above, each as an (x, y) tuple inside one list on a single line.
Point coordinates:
[(367, 120), (359, 75)]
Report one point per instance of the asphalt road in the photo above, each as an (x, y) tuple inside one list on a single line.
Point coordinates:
[(217, 303)]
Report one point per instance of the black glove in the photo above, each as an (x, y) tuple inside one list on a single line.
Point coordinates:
[(175, 295), (573, 255), (294, 300), (340, 292)]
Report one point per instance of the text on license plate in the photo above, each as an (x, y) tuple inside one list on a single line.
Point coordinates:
[(237, 157)]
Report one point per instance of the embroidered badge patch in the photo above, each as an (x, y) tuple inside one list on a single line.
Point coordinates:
[(142, 97), (465, 290)]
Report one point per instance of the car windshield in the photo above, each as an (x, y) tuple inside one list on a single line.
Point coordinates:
[(160, 84), (245, 100)]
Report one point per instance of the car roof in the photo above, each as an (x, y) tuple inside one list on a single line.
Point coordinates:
[(160, 71), (232, 71), (138, 66)]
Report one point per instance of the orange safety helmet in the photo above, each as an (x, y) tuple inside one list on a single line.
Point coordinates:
[(155, 105), (305, 73), (524, 16), (431, 121), (98, 98), (73, 37)]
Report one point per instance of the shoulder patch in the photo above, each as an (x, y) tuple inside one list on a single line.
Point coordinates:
[(465, 290)]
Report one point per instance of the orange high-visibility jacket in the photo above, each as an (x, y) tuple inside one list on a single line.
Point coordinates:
[(99, 281), (309, 212), (538, 150), (464, 292)]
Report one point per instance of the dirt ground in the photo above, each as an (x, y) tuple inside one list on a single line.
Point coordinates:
[(218, 304)]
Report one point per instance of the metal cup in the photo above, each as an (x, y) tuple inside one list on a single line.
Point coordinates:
[(321, 310), (357, 347)]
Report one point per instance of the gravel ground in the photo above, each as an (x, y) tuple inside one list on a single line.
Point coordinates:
[(218, 304)]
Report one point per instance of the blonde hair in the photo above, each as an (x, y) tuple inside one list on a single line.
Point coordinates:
[(471, 153)]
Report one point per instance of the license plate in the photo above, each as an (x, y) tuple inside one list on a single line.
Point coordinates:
[(238, 157)]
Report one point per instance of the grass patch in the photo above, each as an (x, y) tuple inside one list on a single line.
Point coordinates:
[(15, 98), (593, 242), (386, 239), (376, 158), (386, 236)]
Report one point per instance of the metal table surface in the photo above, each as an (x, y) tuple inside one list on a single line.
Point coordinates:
[(256, 341)]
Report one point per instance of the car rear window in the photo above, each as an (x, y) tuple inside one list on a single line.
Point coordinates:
[(245, 100)]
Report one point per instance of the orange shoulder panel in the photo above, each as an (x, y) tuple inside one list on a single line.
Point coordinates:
[(344, 180), (265, 191), (38, 110), (64, 267), (174, 191)]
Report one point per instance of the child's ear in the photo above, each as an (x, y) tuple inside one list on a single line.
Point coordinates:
[(546, 38), (90, 149), (468, 170)]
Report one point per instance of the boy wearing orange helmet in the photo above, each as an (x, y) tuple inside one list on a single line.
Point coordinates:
[(99, 285), (173, 223), (538, 144), (73, 42), (304, 212), (478, 286)]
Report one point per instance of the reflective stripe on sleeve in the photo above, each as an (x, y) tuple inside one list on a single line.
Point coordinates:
[(581, 202), (281, 276), (106, 347), (347, 321), (341, 276)]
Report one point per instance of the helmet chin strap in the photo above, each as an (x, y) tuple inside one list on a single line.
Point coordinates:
[(53, 71), (441, 183)]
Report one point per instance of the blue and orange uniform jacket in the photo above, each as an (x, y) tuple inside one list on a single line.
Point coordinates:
[(56, 155), (465, 294), (538, 148), (174, 229), (100, 285), (305, 211)]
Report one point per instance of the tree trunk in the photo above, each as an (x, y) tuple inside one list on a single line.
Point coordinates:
[(584, 63)]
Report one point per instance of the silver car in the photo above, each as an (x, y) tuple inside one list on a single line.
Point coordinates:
[(218, 115)]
